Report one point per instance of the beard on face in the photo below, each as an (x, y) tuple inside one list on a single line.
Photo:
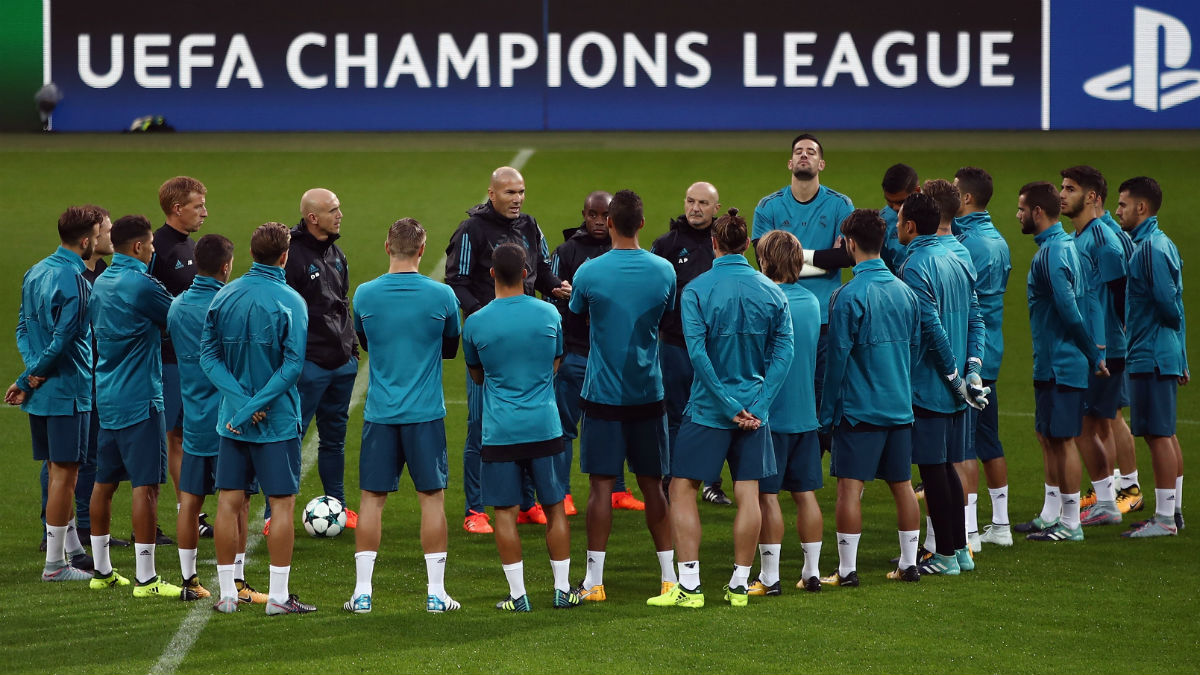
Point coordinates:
[(1027, 225), (804, 174)]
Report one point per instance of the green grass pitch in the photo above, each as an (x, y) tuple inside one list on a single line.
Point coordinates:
[(1104, 605)]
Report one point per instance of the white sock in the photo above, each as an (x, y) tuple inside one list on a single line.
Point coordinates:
[(847, 553), (1164, 503), (689, 574), (239, 566), (1128, 480), (364, 569), (1070, 510), (100, 556), (908, 547), (666, 566), (1104, 489), (595, 570), (999, 505), (279, 584), (768, 563), (435, 574), (177, 507), (812, 557), (740, 577), (56, 540), (930, 535), (225, 580), (1051, 505), (1116, 477), (145, 571), (562, 574), (72, 544), (515, 573), (187, 562), (972, 511), (1178, 493)]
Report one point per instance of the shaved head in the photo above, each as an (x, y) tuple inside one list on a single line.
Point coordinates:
[(701, 204), (321, 212), (505, 174), (506, 192), (595, 214)]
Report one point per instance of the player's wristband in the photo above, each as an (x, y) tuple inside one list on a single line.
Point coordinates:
[(974, 365)]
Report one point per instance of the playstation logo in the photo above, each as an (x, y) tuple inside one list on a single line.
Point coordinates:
[(1156, 85)]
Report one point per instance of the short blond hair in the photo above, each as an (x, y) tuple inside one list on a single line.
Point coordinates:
[(177, 190), (781, 256), (405, 238)]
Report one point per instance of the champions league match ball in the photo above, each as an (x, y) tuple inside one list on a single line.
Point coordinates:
[(324, 516)]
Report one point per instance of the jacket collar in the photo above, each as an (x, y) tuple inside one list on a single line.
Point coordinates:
[(1050, 232), (923, 241), (269, 271), (301, 235), (869, 265), (972, 220), (1145, 228), (122, 260), (72, 258), (731, 259), (206, 283)]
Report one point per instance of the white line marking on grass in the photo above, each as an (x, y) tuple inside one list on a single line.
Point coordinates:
[(193, 624)]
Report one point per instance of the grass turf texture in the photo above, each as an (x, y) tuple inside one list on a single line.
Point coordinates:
[(1104, 605)]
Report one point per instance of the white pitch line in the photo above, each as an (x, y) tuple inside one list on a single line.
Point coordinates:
[(195, 620), (193, 624)]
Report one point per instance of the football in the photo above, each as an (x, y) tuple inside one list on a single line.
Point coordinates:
[(324, 516)]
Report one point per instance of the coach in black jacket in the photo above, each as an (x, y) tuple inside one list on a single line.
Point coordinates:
[(688, 247), (316, 269), (468, 272)]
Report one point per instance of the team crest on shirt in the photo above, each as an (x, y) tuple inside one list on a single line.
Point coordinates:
[(337, 264), (683, 257), (178, 264), (313, 272)]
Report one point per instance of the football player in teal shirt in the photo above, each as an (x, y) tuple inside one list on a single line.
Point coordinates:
[(1106, 267), (899, 181), (813, 213), (739, 339), (874, 338), (197, 473), (1064, 353), (128, 313), (1121, 445), (624, 294), (409, 324), (993, 264), (946, 379), (793, 426), (54, 338), (512, 347), (1157, 357), (252, 349)]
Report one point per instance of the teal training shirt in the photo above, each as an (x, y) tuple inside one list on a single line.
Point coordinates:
[(1154, 311), (252, 349), (795, 408), (739, 338), (515, 340), (816, 223), (128, 310), (406, 319), (1103, 262), (893, 252), (201, 400), (1122, 236), (54, 336), (874, 338), (993, 263), (624, 293), (1063, 348), (951, 325)]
